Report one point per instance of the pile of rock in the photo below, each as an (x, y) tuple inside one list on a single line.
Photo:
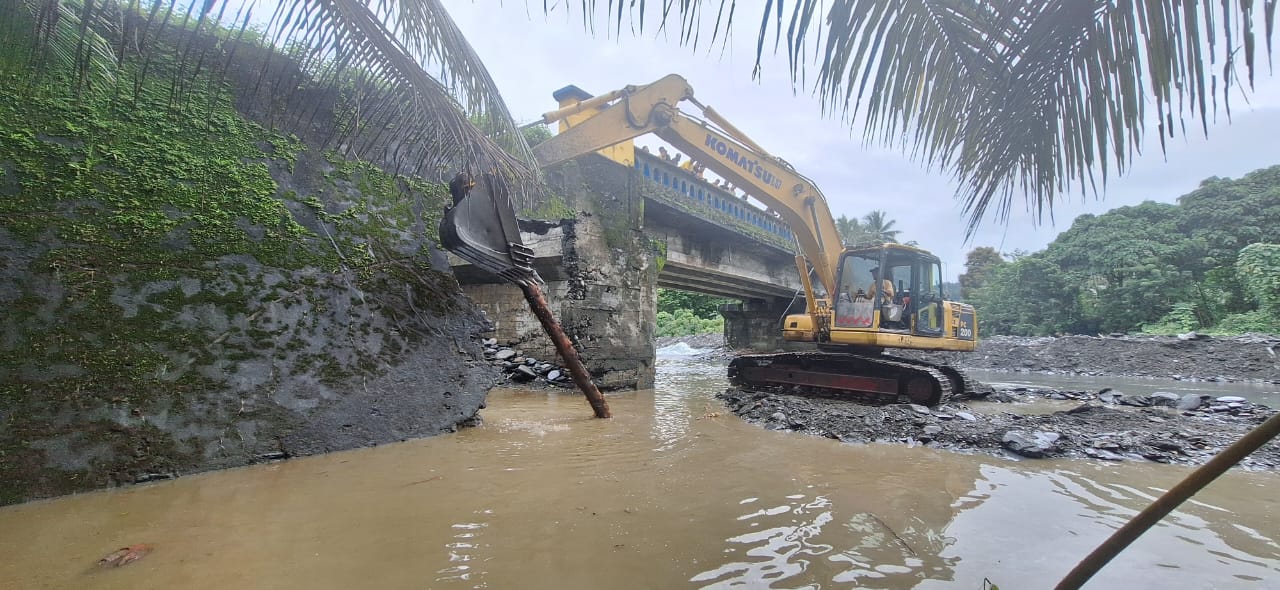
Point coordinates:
[(522, 369), (1159, 431), (1189, 404)]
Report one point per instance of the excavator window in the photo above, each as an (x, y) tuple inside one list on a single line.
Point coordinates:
[(854, 304), (926, 302)]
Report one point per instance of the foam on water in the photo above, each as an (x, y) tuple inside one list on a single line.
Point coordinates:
[(680, 349)]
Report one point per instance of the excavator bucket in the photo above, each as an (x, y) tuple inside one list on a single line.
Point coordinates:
[(481, 228)]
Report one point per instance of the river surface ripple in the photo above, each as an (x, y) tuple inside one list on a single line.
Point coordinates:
[(672, 493)]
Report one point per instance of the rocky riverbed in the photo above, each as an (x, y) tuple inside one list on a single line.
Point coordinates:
[(1165, 428), (1191, 357), (524, 369), (1041, 422)]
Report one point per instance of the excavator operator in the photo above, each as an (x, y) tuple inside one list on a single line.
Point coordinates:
[(878, 284)]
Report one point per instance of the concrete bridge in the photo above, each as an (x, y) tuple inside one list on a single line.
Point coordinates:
[(716, 243), (639, 224)]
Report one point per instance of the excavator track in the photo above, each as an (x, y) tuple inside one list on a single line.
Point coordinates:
[(862, 378)]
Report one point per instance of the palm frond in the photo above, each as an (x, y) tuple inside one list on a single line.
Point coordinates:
[(373, 54), (400, 100), (1029, 98), (71, 38), (429, 34)]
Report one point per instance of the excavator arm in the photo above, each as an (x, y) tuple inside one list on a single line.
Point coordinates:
[(851, 364), (653, 108)]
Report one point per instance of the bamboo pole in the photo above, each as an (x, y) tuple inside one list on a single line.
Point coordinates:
[(538, 304), (1162, 506)]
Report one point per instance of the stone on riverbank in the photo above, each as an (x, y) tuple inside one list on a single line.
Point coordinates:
[(1107, 432)]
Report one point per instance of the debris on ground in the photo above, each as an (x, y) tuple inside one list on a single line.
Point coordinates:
[(126, 555)]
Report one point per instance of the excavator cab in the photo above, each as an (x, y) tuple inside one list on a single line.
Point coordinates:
[(888, 296), (889, 288)]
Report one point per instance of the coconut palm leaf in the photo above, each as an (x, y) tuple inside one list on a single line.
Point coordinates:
[(374, 51), (400, 99), (878, 224), (429, 34), (1015, 98), (62, 37)]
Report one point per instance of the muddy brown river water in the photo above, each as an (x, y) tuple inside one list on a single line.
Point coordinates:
[(666, 495)]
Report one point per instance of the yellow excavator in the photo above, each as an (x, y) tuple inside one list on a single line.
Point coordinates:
[(865, 300)]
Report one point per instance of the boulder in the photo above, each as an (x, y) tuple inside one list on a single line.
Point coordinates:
[(504, 354), (1165, 398), (1190, 401), (523, 373), (966, 416), (1137, 401), (554, 375), (1035, 445), (1231, 399)]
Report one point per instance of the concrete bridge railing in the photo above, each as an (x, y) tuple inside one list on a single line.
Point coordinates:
[(699, 197)]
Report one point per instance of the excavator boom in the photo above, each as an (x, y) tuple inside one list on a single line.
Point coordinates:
[(903, 307)]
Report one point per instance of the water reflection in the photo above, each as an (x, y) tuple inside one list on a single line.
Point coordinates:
[(1045, 521), (782, 551), (665, 495), (462, 551)]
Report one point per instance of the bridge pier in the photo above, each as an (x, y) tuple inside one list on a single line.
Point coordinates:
[(755, 324)]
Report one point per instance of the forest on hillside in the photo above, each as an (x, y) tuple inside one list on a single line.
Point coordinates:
[(1209, 262)]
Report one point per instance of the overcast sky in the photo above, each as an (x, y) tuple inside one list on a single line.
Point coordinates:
[(530, 55)]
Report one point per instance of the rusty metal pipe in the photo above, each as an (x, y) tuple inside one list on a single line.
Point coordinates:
[(581, 377), (481, 228)]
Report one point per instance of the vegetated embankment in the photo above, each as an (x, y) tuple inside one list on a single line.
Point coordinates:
[(185, 289)]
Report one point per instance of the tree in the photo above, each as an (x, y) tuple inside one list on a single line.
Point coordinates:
[(1259, 266), (535, 134), (851, 231), (978, 266), (878, 225), (874, 227), (1156, 267), (1028, 297), (700, 305)]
